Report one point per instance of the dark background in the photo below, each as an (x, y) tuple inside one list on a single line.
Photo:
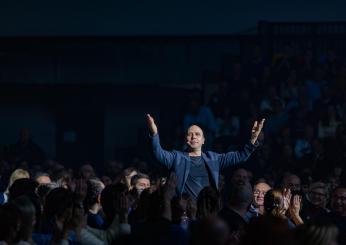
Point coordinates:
[(83, 75)]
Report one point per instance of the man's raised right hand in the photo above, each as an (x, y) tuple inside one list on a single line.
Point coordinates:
[(151, 125)]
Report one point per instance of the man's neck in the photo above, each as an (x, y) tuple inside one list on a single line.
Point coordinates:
[(195, 152), (259, 208)]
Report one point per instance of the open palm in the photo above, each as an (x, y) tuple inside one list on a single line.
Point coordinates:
[(256, 130)]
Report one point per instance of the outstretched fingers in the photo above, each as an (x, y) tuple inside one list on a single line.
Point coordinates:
[(261, 123), (254, 126), (150, 118)]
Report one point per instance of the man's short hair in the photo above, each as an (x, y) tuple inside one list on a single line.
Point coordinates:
[(41, 174), (94, 190), (138, 176), (262, 182)]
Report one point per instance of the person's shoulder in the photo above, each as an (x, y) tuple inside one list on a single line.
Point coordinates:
[(211, 154), (181, 154), (178, 152)]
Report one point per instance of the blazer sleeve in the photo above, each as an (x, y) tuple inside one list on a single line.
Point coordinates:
[(164, 157), (234, 157)]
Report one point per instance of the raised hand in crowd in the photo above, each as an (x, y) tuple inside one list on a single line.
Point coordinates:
[(256, 130), (294, 210), (151, 125), (286, 194)]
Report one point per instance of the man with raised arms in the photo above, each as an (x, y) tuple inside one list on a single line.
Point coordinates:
[(194, 168)]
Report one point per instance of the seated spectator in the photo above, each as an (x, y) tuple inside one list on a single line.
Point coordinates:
[(23, 187), (292, 182), (43, 190), (338, 212), (62, 177), (152, 219), (208, 203), (140, 182), (278, 203), (42, 178), (57, 210), (28, 220), (109, 207), (235, 213), (240, 176), (127, 175), (93, 203), (317, 198), (64, 213), (86, 172), (259, 191), (17, 174)]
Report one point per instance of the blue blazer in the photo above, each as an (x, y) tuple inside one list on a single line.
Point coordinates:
[(179, 162)]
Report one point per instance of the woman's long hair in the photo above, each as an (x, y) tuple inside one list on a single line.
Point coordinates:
[(274, 202)]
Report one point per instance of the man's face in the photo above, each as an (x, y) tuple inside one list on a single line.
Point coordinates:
[(240, 176), (194, 137), (338, 202), (142, 184), (293, 182), (318, 197), (43, 180), (259, 192)]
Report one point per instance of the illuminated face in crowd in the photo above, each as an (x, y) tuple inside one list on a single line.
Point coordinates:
[(43, 179), (194, 137), (292, 182), (338, 202), (259, 192), (240, 177), (318, 197), (142, 184)]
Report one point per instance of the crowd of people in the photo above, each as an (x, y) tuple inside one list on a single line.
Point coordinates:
[(290, 188)]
